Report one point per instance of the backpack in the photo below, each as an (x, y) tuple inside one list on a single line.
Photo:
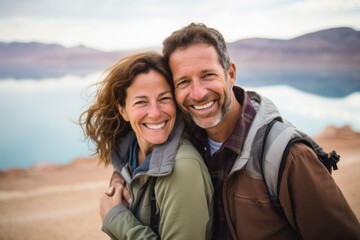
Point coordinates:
[(278, 138)]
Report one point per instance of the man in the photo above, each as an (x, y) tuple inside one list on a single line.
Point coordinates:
[(204, 80)]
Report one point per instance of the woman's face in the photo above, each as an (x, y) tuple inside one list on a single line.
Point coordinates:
[(150, 109)]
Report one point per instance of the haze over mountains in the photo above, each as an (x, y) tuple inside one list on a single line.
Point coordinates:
[(331, 48), (326, 62)]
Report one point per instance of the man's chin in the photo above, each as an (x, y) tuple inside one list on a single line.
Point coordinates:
[(205, 123)]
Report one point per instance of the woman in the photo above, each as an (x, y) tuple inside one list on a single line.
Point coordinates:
[(135, 126)]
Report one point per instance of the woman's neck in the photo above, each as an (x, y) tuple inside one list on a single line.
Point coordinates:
[(144, 149)]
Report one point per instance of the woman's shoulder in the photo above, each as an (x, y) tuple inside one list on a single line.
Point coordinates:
[(188, 164), (187, 150), (188, 158)]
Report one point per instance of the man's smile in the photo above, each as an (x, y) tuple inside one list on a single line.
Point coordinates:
[(204, 106)]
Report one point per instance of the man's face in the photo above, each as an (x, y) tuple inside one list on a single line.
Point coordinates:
[(202, 88)]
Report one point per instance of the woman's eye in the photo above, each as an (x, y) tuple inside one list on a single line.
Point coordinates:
[(139, 103), (163, 99)]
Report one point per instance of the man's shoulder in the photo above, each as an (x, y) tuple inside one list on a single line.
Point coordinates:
[(301, 149), (301, 154)]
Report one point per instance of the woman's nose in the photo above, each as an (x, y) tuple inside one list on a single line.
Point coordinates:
[(154, 111)]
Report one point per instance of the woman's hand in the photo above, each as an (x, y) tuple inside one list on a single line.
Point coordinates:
[(116, 194), (110, 199), (117, 181)]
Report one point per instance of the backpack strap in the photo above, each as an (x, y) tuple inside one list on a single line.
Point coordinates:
[(278, 139)]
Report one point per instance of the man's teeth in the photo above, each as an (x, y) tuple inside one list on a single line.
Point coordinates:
[(151, 126), (209, 104)]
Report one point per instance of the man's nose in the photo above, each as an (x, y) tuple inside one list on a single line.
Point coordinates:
[(198, 90)]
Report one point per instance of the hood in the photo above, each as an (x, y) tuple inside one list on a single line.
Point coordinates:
[(266, 111), (162, 158)]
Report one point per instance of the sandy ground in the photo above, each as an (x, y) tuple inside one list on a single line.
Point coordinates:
[(53, 202), (61, 202)]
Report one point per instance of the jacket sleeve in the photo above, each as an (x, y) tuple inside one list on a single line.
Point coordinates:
[(120, 223), (185, 200), (312, 201)]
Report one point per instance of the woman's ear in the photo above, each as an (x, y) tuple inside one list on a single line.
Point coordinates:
[(122, 112)]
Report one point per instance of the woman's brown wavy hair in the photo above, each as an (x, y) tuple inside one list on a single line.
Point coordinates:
[(102, 122)]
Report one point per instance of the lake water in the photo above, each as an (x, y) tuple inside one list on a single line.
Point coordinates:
[(37, 116)]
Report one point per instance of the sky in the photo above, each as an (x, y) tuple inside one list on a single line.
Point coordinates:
[(132, 24)]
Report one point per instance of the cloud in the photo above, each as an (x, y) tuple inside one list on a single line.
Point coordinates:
[(84, 9), (327, 5), (125, 24)]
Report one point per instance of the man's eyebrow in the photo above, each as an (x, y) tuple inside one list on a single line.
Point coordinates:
[(201, 73), (179, 78)]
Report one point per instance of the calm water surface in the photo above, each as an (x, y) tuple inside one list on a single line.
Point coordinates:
[(37, 116)]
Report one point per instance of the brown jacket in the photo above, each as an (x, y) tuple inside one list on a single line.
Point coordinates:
[(313, 204)]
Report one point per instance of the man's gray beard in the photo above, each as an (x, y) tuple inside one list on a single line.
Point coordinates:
[(224, 111)]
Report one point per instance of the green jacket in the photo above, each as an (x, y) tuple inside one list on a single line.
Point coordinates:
[(183, 191)]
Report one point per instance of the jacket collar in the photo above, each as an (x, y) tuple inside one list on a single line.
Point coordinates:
[(266, 112), (162, 158)]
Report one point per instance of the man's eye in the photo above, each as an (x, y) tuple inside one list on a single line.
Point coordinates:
[(182, 84), (208, 76)]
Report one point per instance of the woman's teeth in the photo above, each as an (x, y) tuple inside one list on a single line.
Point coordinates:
[(158, 126)]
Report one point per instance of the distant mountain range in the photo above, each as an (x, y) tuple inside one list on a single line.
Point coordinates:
[(38, 60), (336, 48)]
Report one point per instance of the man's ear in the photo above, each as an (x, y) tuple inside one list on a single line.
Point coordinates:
[(123, 112), (232, 74)]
